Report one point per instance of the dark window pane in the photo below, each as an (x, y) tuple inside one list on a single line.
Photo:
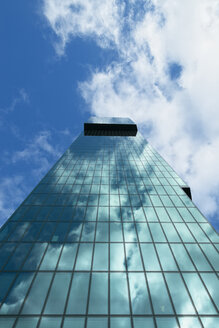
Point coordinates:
[(37, 294), (78, 295), (98, 303), (57, 295)]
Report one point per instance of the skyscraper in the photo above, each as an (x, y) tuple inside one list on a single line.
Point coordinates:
[(109, 238)]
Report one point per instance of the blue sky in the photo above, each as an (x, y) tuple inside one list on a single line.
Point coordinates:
[(154, 61)]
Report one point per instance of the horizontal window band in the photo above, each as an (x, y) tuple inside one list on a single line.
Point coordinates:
[(96, 129)]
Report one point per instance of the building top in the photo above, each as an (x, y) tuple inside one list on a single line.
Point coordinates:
[(110, 120), (110, 126)]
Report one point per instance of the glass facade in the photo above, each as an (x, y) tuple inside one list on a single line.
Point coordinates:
[(108, 238)]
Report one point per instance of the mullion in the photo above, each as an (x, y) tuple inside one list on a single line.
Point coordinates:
[(127, 278), (109, 243), (144, 272), (164, 278), (91, 269), (115, 147), (30, 287), (73, 270), (181, 275), (198, 272), (50, 287)]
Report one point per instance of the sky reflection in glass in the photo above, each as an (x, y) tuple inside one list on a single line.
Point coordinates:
[(108, 236)]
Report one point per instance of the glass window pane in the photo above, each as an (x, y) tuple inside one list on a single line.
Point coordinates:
[(139, 294), (149, 257), (103, 213), (212, 283), (174, 214), (115, 214), (77, 322), (79, 213), (189, 322), (170, 232), (184, 232), (57, 295), (5, 253), (129, 232), (166, 200), (210, 232), (114, 200), (157, 232), (143, 232), (17, 233), (176, 201), (120, 322), (126, 213), (166, 258), (166, 323), (197, 215), (182, 257), (104, 200), (212, 255), (102, 233), (198, 233), (54, 322), (138, 214), (47, 231), (18, 257), (199, 294), (198, 257), (117, 257), (5, 282), (60, 232), (124, 200), (133, 258), (32, 231), (100, 261), (84, 257), (77, 302), (180, 297), (88, 231), (91, 213), (37, 294), (74, 232), (143, 322), (156, 200), (51, 257), (116, 231), (119, 300), (145, 200), (187, 217), (98, 303), (27, 322), (97, 322), (35, 256), (7, 322), (210, 322), (67, 259), (159, 295)]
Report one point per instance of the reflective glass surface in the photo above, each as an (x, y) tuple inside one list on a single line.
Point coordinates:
[(108, 238)]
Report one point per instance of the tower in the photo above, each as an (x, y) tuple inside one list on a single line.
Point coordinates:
[(109, 238)]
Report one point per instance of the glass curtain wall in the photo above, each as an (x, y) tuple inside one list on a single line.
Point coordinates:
[(109, 239)]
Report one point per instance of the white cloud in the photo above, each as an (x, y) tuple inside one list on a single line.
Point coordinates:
[(22, 97), (36, 153), (183, 114), (31, 163), (99, 19), (12, 192)]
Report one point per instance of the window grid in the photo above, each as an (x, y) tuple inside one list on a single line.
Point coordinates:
[(124, 164)]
